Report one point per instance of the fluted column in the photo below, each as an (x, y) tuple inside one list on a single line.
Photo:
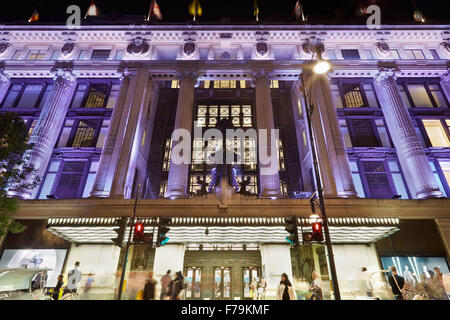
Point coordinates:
[(410, 152), (269, 183), (333, 143), (48, 126), (179, 172), (4, 84), (135, 103), (445, 84), (113, 140)]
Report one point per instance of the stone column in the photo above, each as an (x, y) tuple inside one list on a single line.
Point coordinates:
[(4, 84), (410, 152), (135, 102), (445, 84), (48, 126), (330, 144), (114, 139), (269, 183), (179, 173)]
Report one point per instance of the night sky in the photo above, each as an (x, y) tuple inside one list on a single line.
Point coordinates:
[(233, 11)]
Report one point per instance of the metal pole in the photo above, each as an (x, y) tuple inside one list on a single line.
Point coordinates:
[(127, 247), (334, 280)]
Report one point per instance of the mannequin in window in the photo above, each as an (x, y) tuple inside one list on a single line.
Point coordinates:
[(202, 185), (409, 278), (244, 184)]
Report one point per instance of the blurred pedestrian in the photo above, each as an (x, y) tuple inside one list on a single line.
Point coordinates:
[(57, 289), (165, 279), (88, 285), (316, 287), (150, 287), (73, 278), (176, 286)]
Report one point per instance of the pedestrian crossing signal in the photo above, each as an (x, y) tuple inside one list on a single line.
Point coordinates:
[(139, 232)]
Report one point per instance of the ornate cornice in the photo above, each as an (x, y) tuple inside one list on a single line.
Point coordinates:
[(4, 77)]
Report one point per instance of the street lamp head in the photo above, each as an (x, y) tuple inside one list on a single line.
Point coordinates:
[(322, 66)]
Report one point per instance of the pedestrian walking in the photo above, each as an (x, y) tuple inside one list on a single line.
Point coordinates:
[(57, 289), (73, 278), (165, 279), (316, 287), (285, 290), (365, 277), (397, 284), (261, 289), (150, 287), (88, 286), (176, 286)]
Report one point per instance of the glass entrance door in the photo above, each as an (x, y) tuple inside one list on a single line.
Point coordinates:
[(250, 277), (222, 283), (193, 282)]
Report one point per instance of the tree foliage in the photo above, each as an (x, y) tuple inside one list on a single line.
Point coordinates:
[(14, 168)]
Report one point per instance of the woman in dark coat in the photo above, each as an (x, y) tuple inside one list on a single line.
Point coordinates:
[(60, 283), (175, 286)]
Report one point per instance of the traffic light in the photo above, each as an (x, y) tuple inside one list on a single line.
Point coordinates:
[(291, 228), (163, 230), (122, 223), (317, 234), (138, 235)]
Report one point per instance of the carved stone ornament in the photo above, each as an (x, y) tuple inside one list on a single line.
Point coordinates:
[(383, 48), (4, 47), (189, 48), (138, 46), (67, 49), (262, 48), (446, 46)]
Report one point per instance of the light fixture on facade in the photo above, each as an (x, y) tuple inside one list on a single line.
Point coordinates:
[(322, 66)]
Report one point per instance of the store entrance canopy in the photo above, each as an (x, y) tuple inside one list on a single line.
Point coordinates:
[(225, 229)]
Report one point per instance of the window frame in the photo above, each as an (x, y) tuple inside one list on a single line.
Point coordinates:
[(89, 83), (24, 84), (361, 82), (74, 130), (424, 132), (405, 82)]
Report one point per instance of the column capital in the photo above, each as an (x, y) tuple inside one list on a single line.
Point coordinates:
[(63, 76), (189, 76), (446, 76), (4, 77), (127, 73), (386, 74), (260, 76)]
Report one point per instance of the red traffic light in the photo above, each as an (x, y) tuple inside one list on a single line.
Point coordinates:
[(139, 232), (317, 234)]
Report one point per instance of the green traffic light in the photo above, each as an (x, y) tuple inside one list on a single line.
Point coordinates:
[(288, 239)]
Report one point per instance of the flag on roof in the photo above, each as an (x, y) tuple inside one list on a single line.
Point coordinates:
[(195, 9), (154, 11), (92, 10), (256, 10), (34, 16), (298, 10)]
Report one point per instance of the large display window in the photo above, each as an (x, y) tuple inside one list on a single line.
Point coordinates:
[(36, 259)]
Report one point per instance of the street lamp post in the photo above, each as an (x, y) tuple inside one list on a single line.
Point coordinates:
[(320, 68)]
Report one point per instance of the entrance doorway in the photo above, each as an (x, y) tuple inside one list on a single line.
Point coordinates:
[(193, 282), (222, 283), (250, 275)]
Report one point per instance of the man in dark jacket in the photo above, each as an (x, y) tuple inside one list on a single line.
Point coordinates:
[(175, 286), (150, 287), (397, 283)]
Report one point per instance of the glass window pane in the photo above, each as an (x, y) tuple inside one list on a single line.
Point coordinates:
[(393, 166), (404, 96), (48, 184), (434, 54), (97, 96), (119, 55), (436, 133), (56, 54), (394, 54), (409, 54), (382, 132), (432, 166), (54, 166), (30, 96), (368, 54), (370, 95), (79, 95), (358, 185), (336, 96), (437, 95), (331, 54), (445, 166), (439, 182), (99, 55), (89, 184), (418, 54), (420, 96), (94, 166), (12, 96), (101, 137), (353, 166), (400, 185)]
